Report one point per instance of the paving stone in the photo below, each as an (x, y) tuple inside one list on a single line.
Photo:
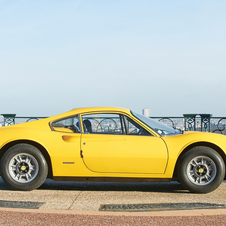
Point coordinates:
[(23, 205), (161, 207)]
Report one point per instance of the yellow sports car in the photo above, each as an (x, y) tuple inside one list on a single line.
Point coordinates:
[(109, 144)]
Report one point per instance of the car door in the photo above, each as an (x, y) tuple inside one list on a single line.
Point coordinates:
[(113, 143), (65, 140)]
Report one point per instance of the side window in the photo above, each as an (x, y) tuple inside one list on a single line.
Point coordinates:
[(132, 128), (103, 124), (69, 125)]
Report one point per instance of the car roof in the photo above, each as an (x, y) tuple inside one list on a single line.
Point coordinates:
[(92, 109), (45, 122)]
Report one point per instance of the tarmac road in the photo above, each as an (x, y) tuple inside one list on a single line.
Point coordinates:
[(78, 203)]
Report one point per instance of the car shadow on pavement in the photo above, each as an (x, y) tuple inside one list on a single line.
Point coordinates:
[(159, 187), (170, 187), (166, 187)]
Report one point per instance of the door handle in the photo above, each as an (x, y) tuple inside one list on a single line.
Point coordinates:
[(68, 138)]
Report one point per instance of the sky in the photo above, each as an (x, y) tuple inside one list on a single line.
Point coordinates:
[(167, 56)]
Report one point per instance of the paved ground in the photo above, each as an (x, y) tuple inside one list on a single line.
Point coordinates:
[(78, 203)]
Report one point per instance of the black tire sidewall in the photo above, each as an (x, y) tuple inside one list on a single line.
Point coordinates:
[(31, 150), (201, 151)]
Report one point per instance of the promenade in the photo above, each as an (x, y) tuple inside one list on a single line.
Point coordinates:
[(78, 203)]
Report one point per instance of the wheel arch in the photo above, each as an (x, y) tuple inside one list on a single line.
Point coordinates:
[(37, 145), (207, 144)]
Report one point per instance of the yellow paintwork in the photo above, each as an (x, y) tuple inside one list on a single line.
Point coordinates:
[(106, 155), (124, 154)]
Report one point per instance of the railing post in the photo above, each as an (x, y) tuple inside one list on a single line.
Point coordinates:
[(189, 119), (205, 122), (9, 119)]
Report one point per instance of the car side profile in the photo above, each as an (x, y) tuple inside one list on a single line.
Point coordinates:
[(109, 144)]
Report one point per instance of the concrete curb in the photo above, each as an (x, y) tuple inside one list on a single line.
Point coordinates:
[(200, 212)]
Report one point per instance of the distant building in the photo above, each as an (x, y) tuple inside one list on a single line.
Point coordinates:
[(146, 112)]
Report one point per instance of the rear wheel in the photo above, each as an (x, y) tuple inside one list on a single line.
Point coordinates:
[(201, 170), (23, 167)]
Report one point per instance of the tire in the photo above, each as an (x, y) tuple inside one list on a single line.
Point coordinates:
[(201, 170), (23, 167)]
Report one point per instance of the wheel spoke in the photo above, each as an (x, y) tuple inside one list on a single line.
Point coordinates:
[(197, 180), (194, 163), (13, 167), (210, 168), (18, 176), (18, 159), (208, 177), (28, 176), (27, 160), (32, 167), (203, 161)]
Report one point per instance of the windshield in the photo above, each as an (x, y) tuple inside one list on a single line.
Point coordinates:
[(158, 127)]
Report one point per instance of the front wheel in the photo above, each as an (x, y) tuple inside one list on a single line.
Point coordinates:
[(23, 167), (201, 170)]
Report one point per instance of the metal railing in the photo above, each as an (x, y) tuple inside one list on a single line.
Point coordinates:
[(213, 124), (192, 122), (26, 119), (11, 119)]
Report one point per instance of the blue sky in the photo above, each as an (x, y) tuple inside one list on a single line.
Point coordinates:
[(168, 56)]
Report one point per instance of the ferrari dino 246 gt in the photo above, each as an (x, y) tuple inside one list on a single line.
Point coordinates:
[(109, 144)]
